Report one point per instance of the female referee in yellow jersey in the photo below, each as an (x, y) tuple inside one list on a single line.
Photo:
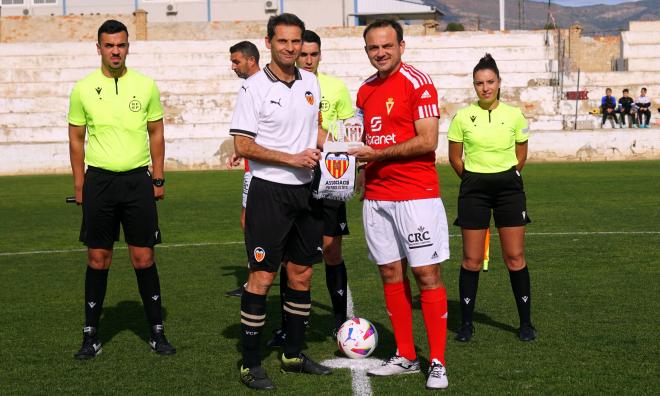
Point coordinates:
[(488, 149)]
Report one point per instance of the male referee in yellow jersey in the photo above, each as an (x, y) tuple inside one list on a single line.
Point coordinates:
[(120, 110)]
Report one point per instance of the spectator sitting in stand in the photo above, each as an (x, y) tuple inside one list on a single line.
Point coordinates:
[(608, 108), (626, 104), (644, 113)]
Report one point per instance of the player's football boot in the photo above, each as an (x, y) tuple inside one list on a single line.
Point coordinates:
[(303, 364), (256, 378), (527, 332), (437, 376), (279, 336), (91, 346), (464, 333), (394, 366), (159, 343), (236, 292)]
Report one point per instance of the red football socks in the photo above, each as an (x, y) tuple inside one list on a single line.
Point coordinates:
[(399, 307), (434, 309)]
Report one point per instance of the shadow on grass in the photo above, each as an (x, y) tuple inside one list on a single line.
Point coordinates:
[(454, 319), (126, 315), (322, 322), (238, 272)]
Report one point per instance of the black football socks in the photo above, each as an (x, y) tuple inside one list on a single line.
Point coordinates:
[(96, 282), (337, 282), (253, 319), (522, 292), (149, 286), (468, 282), (297, 307)]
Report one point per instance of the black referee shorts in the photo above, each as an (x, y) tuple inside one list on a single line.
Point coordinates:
[(282, 223), (114, 198), (334, 218), (502, 193)]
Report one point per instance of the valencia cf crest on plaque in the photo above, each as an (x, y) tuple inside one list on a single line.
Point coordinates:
[(337, 164)]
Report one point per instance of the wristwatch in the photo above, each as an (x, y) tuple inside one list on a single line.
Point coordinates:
[(159, 182)]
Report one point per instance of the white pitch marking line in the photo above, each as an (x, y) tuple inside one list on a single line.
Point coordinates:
[(176, 245), (162, 246), (359, 380)]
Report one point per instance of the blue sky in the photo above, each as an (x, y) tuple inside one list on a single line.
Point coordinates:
[(580, 3)]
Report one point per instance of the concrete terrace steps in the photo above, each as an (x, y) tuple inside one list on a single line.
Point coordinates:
[(59, 133), (202, 109), (449, 74), (639, 38), (462, 61), (447, 40), (45, 97), (604, 79), (39, 126), (644, 64), (48, 97)]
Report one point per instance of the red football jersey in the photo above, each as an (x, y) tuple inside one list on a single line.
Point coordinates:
[(389, 109)]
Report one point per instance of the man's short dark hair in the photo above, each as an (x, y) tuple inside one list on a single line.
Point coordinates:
[(111, 26), (246, 48), (381, 23), (644, 89), (310, 36), (625, 90), (283, 19)]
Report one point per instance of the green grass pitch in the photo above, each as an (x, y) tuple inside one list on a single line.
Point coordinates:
[(593, 249)]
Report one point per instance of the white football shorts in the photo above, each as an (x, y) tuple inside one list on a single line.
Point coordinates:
[(247, 178), (415, 230)]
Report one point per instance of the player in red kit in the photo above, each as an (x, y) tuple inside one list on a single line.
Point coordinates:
[(404, 218)]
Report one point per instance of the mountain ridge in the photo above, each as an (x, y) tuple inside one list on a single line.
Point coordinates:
[(520, 14)]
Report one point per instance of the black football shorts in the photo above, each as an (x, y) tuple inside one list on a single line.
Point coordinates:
[(502, 193), (334, 218), (282, 223), (114, 198)]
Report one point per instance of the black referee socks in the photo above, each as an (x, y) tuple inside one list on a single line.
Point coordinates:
[(468, 282), (337, 282), (149, 286), (297, 306), (253, 319), (522, 292), (96, 282)]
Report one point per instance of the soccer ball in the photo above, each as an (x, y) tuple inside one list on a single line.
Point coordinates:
[(357, 338)]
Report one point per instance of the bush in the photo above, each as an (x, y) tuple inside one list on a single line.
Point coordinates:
[(455, 27)]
